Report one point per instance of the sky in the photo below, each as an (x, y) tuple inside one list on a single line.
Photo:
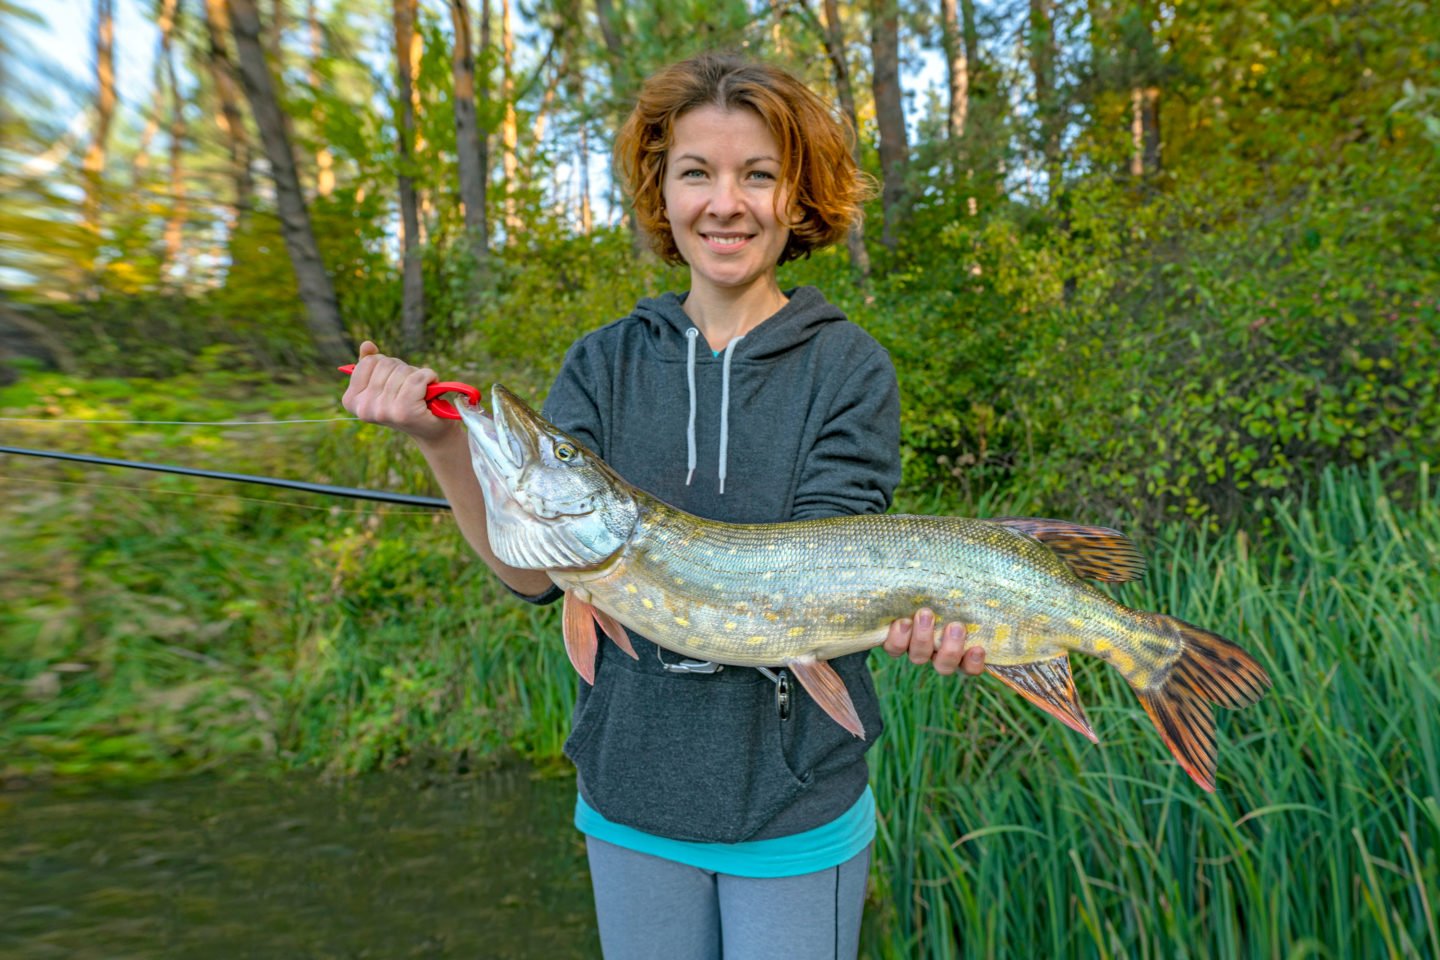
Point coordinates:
[(65, 43)]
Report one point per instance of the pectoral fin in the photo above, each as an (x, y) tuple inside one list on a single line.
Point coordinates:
[(1094, 553), (1048, 685), (581, 643), (827, 689), (578, 623)]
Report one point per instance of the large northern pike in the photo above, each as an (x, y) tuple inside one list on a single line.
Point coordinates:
[(797, 594)]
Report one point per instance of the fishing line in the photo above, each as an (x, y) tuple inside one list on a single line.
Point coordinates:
[(158, 494), (182, 423), (353, 493)]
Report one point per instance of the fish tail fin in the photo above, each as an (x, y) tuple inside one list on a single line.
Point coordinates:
[(1209, 670)]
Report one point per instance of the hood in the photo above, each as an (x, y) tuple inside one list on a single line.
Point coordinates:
[(793, 324)]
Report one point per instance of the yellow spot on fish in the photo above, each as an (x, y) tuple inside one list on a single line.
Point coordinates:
[(954, 595), (972, 628), (838, 618), (796, 631), (1042, 619), (730, 625), (918, 599), (771, 615), (682, 621), (695, 641), (679, 581), (1002, 632), (630, 588), (1076, 622), (992, 603), (755, 639), (647, 603), (1121, 660)]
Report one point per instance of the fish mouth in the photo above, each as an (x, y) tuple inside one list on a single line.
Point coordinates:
[(510, 440), (528, 527)]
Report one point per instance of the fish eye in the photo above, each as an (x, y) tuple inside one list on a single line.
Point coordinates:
[(564, 452)]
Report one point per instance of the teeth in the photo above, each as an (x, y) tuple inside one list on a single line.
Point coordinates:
[(727, 241)]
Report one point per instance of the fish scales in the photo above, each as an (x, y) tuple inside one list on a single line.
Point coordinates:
[(831, 587), (796, 595)]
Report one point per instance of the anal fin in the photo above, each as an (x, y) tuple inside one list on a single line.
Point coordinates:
[(1049, 686), (828, 691)]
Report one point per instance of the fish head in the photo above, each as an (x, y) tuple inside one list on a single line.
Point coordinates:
[(549, 502)]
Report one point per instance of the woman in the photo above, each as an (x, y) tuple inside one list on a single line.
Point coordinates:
[(721, 806)]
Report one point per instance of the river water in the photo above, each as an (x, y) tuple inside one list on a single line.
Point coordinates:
[(384, 866)]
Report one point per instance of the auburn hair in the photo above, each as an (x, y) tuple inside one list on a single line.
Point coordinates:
[(825, 187)]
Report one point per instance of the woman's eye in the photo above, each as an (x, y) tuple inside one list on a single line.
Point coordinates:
[(564, 452), (762, 175)]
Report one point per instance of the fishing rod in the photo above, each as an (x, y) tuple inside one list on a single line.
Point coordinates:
[(354, 493), (441, 408)]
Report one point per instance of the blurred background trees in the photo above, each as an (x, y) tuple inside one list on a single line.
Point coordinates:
[(1158, 257)]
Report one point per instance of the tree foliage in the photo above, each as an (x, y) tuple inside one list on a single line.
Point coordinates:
[(1180, 256)]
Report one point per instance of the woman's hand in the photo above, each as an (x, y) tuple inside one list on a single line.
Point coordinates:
[(390, 392), (916, 637)]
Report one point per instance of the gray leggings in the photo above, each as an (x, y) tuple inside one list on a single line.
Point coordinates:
[(655, 909)]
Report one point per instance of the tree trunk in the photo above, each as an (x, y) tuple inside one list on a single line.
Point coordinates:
[(621, 94), (467, 146), (412, 310), (889, 115), (275, 36), (833, 35), (230, 120), (958, 70), (587, 216), (324, 159), (972, 38), (140, 163), (1144, 68), (316, 291), (175, 224), (484, 118), (105, 97), (615, 52), (510, 126), (1145, 131), (1042, 65)]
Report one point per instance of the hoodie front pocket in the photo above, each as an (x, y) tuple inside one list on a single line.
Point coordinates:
[(682, 756)]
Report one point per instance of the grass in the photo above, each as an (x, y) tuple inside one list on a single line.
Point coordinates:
[(1005, 834), (181, 626)]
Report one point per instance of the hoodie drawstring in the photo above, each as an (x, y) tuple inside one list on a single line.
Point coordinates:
[(691, 336), (725, 411)]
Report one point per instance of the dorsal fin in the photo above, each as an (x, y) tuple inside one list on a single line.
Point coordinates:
[(1094, 553)]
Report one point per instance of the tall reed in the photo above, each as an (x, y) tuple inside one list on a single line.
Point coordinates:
[(1004, 834)]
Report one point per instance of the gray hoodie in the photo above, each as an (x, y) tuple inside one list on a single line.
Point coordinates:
[(798, 419)]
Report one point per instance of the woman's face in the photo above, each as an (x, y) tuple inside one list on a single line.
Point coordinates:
[(722, 188)]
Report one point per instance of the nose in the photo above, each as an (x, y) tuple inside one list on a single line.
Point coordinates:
[(726, 201)]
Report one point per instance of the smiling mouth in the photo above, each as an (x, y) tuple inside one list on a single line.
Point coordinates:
[(727, 239)]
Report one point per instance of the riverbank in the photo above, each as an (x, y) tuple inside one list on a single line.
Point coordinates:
[(158, 626)]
